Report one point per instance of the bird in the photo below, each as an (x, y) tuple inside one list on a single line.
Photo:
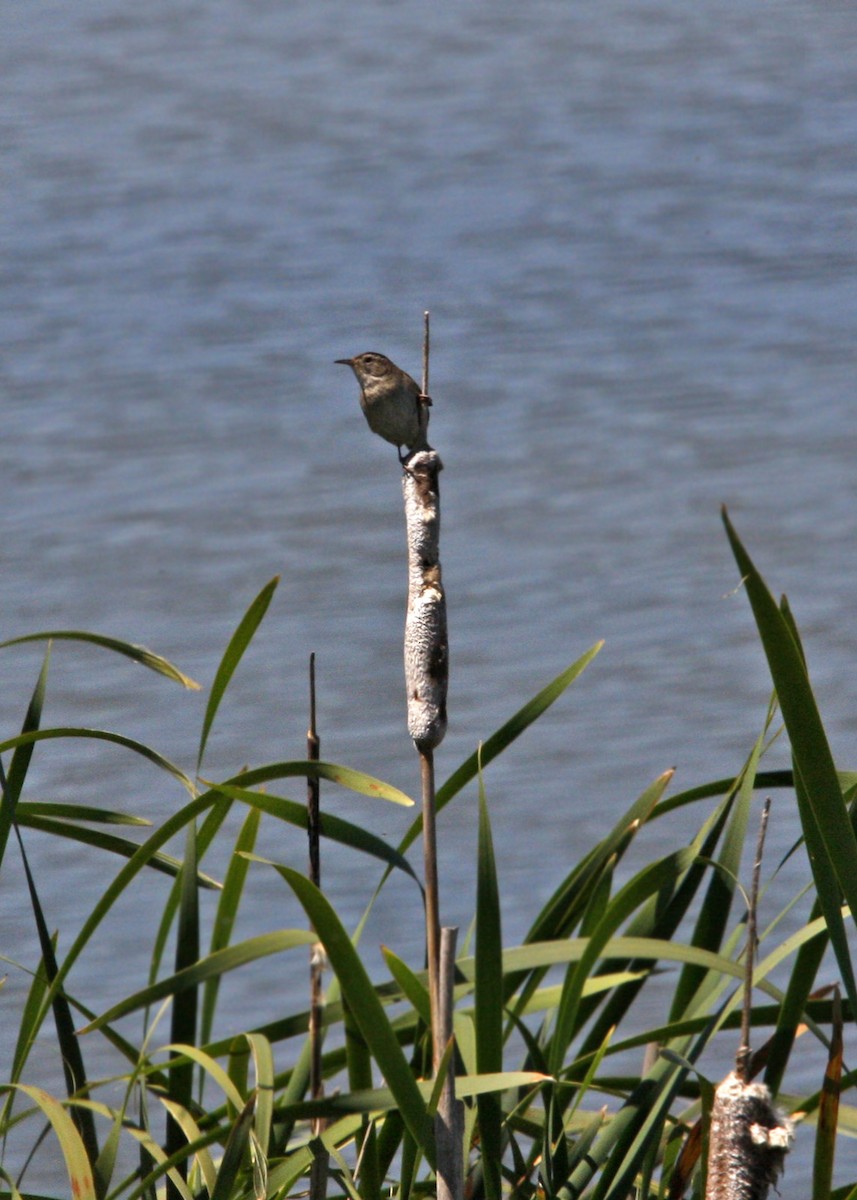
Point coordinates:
[(393, 405)]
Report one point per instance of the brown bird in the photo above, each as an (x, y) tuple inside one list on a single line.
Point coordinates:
[(392, 403)]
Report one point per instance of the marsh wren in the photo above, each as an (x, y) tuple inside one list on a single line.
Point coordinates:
[(392, 403)]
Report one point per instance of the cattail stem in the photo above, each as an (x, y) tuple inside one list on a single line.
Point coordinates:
[(749, 1137), (449, 1122), (742, 1059), (426, 674), (432, 902), (426, 349), (313, 750), (318, 1171)]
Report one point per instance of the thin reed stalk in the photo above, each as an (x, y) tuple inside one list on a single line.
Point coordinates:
[(432, 901), (749, 1136), (318, 1171), (426, 676)]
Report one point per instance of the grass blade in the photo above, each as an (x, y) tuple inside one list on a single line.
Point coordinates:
[(184, 1014), (567, 905), (824, 811), (74, 1071), (336, 829), (232, 656), (619, 1149), (716, 906), (355, 781), (413, 989), (13, 782), (138, 654), (100, 735), (651, 881), (366, 1008), (73, 1152), (659, 919), (233, 1153), (207, 831), (828, 1112), (565, 908), (27, 1028), (263, 1061), (227, 911), (165, 863), (801, 982), (488, 997), (213, 965), (503, 737), (80, 812)]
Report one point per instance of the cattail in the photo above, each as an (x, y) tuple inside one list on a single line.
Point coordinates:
[(749, 1137), (426, 645), (748, 1142)]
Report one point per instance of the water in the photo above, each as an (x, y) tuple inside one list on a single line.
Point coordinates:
[(633, 225)]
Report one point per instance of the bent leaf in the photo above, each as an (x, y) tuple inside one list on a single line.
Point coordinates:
[(366, 1008), (137, 653), (232, 656), (207, 968)]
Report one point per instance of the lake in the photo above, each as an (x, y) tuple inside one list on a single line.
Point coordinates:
[(634, 227)]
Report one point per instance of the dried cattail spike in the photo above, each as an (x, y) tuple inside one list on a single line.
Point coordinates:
[(748, 1143), (426, 646)]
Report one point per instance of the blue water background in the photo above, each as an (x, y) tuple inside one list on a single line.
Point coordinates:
[(634, 225)]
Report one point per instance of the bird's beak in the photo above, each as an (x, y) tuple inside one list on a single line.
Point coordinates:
[(346, 362)]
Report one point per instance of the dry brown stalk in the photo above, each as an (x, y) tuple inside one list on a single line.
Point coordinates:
[(749, 1136), (318, 1171)]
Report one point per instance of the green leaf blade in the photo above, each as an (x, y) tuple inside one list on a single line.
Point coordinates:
[(232, 656), (366, 1008)]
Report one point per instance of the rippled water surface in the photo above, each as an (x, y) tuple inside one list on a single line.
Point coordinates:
[(634, 226)]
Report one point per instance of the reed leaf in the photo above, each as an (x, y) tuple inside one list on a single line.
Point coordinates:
[(824, 812), (263, 1060), (74, 1071), (414, 990), (336, 829), (227, 911), (489, 997), (828, 1112), (219, 963), (13, 781), (100, 735), (711, 923), (232, 656), (566, 907), (183, 1023), (74, 1154), (233, 1153), (110, 843), (351, 780), (366, 1008), (138, 654), (651, 881), (503, 737)]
